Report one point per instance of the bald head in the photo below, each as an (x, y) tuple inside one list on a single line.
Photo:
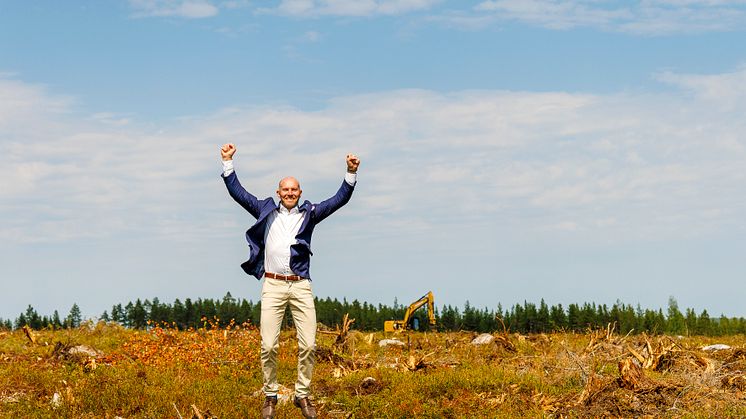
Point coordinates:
[(289, 192), (289, 181)]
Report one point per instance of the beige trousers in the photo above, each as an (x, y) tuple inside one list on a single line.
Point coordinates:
[(276, 295)]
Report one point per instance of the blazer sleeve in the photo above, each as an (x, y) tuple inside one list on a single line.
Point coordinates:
[(240, 195), (327, 207)]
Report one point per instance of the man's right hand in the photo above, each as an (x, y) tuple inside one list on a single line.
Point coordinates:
[(227, 151)]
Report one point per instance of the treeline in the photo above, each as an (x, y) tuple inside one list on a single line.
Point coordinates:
[(32, 319), (523, 318)]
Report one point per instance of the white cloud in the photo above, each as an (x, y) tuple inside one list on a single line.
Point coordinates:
[(650, 17), (643, 17), (312, 8), (311, 36), (190, 9), (629, 166), (111, 118), (296, 49), (554, 14), (20, 102), (728, 88), (235, 4)]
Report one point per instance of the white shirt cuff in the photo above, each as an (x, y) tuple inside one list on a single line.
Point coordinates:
[(351, 178), (227, 167)]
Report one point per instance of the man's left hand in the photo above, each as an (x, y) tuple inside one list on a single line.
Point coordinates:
[(352, 163)]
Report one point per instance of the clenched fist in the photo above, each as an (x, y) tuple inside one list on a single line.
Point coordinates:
[(227, 151), (352, 163)]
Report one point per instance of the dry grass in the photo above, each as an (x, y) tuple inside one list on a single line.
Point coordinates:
[(163, 373)]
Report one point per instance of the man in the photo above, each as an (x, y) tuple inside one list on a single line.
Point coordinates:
[(280, 252)]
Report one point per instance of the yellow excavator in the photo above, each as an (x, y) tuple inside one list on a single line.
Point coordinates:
[(401, 325)]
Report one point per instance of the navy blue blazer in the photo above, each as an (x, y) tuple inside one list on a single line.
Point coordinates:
[(300, 253)]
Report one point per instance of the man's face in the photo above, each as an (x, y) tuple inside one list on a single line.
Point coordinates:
[(289, 192)]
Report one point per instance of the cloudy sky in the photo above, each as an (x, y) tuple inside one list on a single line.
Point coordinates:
[(511, 150)]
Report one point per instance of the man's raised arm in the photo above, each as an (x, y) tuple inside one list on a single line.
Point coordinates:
[(236, 191), (343, 195)]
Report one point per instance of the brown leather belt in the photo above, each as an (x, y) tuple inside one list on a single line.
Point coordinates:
[(284, 277)]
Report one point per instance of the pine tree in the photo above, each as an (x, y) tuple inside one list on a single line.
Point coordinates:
[(117, 314), (246, 312), (178, 313), (160, 312), (518, 319), (137, 315), (128, 309), (660, 321), (557, 318), (74, 318), (675, 321), (228, 309), (190, 317), (690, 322), (542, 318), (629, 319), (449, 318), (723, 325), (56, 322), (33, 320), (704, 324), (531, 316), (588, 316), (470, 322)]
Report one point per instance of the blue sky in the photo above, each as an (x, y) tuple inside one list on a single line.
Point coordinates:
[(511, 150)]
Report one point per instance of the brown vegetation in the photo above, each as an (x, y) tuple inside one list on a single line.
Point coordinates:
[(108, 371)]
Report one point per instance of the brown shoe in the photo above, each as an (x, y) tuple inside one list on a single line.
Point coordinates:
[(306, 407), (268, 410)]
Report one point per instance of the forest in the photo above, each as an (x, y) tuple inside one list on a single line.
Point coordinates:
[(524, 318)]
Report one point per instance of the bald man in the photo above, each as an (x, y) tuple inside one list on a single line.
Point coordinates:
[(280, 253)]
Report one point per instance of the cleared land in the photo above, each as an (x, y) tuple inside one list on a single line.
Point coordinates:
[(105, 371)]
